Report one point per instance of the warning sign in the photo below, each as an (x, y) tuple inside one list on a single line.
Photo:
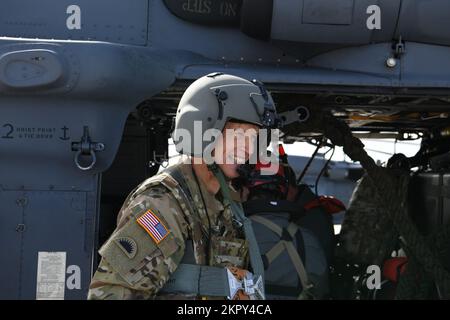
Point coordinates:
[(51, 275)]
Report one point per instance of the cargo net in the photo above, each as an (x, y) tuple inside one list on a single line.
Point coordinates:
[(369, 235)]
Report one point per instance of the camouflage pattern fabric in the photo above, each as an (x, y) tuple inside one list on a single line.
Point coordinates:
[(134, 266), (367, 234)]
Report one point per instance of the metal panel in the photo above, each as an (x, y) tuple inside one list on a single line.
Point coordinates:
[(11, 243), (39, 125), (102, 20), (46, 126), (326, 12), (196, 43), (332, 22), (279, 75), (419, 70), (355, 59), (57, 222), (47, 132), (426, 21)]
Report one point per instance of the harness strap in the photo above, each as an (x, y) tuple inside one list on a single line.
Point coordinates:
[(298, 264), (269, 224), (282, 245), (238, 213), (214, 282), (274, 252)]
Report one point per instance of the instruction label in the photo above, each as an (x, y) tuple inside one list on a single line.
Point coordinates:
[(51, 276), (12, 131)]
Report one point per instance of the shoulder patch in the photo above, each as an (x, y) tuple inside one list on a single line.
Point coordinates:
[(127, 245), (153, 225)]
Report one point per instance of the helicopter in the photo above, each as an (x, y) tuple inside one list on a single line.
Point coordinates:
[(89, 90)]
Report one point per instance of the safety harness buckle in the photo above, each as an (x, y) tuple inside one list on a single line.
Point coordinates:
[(244, 285)]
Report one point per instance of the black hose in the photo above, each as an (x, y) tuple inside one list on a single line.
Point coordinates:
[(323, 169), (309, 163)]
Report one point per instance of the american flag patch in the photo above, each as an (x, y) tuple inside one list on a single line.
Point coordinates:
[(154, 227)]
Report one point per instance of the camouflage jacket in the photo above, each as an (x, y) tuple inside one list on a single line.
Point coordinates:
[(139, 258)]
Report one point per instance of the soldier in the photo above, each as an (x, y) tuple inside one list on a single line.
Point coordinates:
[(182, 233)]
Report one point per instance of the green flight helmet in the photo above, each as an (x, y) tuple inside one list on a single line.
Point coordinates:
[(211, 101)]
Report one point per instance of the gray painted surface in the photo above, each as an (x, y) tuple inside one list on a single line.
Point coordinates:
[(69, 218), (11, 248), (105, 20), (331, 21)]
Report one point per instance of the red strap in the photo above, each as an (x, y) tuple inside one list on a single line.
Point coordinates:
[(330, 204), (394, 267), (281, 150)]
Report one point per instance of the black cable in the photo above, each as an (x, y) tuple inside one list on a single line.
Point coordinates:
[(323, 169), (309, 163)]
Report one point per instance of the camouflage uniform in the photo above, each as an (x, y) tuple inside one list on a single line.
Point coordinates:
[(367, 235), (135, 266)]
